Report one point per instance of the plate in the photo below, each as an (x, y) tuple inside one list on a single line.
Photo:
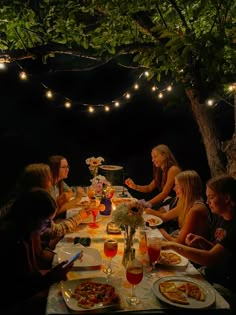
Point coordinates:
[(152, 220), (91, 256), (71, 212), (209, 292), (183, 263), (110, 167), (68, 287), (119, 189), (116, 201)]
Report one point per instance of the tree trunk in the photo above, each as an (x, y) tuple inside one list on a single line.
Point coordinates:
[(215, 156)]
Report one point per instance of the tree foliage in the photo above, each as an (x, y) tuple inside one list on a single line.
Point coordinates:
[(191, 41)]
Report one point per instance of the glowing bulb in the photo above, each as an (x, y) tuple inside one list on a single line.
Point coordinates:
[(210, 102), (154, 88), (107, 108), (117, 104), (127, 95), (169, 88), (2, 66), (49, 94), (23, 75), (68, 104), (136, 86), (160, 95), (146, 73), (91, 109)]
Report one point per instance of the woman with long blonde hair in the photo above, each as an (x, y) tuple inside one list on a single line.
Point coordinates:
[(191, 211)]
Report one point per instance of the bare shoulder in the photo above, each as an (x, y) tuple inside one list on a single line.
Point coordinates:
[(174, 170), (200, 208)]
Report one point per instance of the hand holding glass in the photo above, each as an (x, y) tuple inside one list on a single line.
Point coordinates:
[(134, 274), (110, 250)]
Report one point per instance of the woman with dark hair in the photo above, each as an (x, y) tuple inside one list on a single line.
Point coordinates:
[(165, 168), (60, 190), (217, 257), (29, 216)]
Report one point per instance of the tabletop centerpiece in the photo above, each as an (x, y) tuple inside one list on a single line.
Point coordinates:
[(129, 216)]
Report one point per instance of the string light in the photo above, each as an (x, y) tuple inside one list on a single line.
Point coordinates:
[(23, 75), (67, 104), (49, 94)]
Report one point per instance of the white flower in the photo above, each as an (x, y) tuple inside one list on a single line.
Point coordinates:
[(129, 213)]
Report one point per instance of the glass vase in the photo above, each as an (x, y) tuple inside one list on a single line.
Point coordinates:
[(129, 251)]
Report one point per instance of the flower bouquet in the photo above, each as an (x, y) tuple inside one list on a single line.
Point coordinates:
[(94, 164), (129, 216)]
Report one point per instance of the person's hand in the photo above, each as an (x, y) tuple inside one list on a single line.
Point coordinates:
[(130, 183), (84, 213), (60, 271), (197, 241), (79, 192), (165, 244)]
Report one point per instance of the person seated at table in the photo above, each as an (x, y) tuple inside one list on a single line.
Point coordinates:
[(60, 190), (217, 258), (21, 279), (191, 212), (39, 175), (165, 168)]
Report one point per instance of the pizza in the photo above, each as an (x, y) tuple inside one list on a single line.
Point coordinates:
[(90, 294), (178, 292), (194, 291), (171, 292), (169, 258), (153, 221)]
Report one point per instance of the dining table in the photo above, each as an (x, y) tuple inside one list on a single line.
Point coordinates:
[(150, 301)]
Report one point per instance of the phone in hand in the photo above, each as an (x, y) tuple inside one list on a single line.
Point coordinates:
[(73, 258)]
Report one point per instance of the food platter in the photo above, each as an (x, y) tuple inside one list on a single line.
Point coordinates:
[(116, 201), (152, 220), (207, 289), (68, 287), (167, 258)]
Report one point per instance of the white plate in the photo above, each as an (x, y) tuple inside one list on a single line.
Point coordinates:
[(209, 292), (118, 200), (183, 263), (68, 287), (91, 256), (111, 167), (119, 189), (156, 221)]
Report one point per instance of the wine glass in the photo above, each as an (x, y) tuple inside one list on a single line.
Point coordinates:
[(134, 275), (110, 250), (154, 250), (94, 208)]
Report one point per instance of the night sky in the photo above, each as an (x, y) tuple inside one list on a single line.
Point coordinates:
[(32, 127)]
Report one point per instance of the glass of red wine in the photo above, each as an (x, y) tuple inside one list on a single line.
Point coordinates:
[(154, 250), (110, 250), (134, 275)]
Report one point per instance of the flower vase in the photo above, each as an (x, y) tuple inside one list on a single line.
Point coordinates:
[(129, 251), (108, 205)]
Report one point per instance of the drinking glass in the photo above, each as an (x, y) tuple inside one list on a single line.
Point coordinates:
[(110, 250), (94, 208), (154, 250), (134, 274)]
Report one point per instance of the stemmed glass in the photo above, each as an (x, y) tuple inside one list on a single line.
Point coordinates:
[(94, 210), (154, 250), (134, 274), (110, 250)]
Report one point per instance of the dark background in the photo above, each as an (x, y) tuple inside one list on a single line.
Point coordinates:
[(33, 127)]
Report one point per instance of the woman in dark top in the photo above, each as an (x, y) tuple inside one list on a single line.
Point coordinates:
[(21, 279), (165, 168), (217, 257)]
